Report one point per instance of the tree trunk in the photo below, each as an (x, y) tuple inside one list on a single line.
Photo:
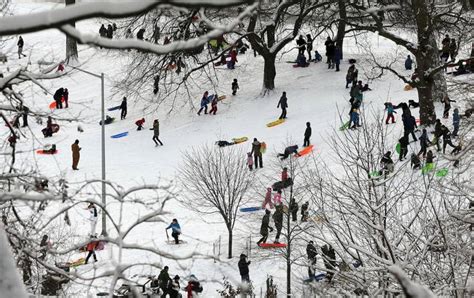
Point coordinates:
[(288, 255), (427, 57), (341, 25), (71, 43), (269, 73), (229, 248)]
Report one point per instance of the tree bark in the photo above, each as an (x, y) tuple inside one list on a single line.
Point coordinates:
[(427, 58), (229, 248), (71, 43), (341, 25), (288, 254), (269, 72)]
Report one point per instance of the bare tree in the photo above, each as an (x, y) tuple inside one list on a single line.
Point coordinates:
[(428, 17), (401, 218), (217, 181)]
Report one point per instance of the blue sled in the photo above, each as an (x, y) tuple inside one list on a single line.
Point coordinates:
[(250, 209), (120, 135), (317, 277), (113, 108)]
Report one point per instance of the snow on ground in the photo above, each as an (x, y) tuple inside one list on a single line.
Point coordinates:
[(315, 94)]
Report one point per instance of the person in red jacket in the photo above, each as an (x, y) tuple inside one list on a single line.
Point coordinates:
[(139, 123), (284, 174), (193, 287), (91, 246), (233, 59), (213, 106)]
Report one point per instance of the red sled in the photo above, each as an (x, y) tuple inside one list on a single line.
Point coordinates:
[(272, 245), (52, 105), (41, 151)]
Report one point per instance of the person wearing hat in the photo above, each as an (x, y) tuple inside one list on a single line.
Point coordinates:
[(173, 289), (268, 199), (265, 227), (244, 268)]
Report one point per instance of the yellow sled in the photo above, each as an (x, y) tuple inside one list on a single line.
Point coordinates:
[(275, 123), (221, 97), (240, 140)]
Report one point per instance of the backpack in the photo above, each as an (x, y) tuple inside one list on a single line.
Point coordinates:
[(263, 147)]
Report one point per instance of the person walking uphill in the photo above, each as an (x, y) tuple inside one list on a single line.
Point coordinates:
[(307, 134), (163, 280), (283, 103), (175, 230), (257, 153), (76, 155), (123, 108), (20, 45), (156, 132), (244, 268), (264, 227), (204, 103), (278, 220)]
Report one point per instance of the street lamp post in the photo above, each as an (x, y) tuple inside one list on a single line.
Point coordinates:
[(101, 77)]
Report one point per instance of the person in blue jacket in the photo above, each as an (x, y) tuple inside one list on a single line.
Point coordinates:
[(175, 230), (456, 120), (337, 57), (204, 103), (408, 63)]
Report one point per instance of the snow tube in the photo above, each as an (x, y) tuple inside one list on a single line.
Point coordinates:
[(120, 135)]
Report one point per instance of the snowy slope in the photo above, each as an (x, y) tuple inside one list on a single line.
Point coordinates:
[(315, 94)]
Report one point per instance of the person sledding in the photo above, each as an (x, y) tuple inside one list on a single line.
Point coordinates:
[(387, 164), (301, 61), (288, 151), (204, 103), (107, 120), (175, 230), (139, 123), (50, 128), (284, 182)]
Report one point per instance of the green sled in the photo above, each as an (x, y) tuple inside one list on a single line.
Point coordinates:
[(427, 168), (398, 148), (441, 173), (344, 126)]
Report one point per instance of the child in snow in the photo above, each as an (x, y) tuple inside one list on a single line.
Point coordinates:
[(355, 118), (277, 198), (204, 103), (235, 86), (408, 63), (175, 230), (317, 57), (415, 161), (250, 161), (390, 111), (387, 163), (91, 246), (268, 198), (305, 212), (213, 105), (139, 123), (92, 217), (456, 120)]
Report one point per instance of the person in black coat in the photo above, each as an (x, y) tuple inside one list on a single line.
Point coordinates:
[(123, 108), (265, 227), (244, 268), (305, 212), (58, 95), (301, 45), (409, 125), (415, 161), (289, 150), (24, 114), (307, 134), (403, 146), (424, 143), (278, 220), (329, 257), (283, 103), (327, 43), (110, 31), (331, 52), (446, 138), (311, 252), (294, 210)]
